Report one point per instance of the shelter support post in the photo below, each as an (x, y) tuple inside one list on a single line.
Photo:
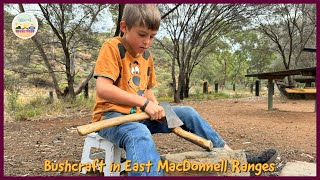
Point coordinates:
[(270, 93)]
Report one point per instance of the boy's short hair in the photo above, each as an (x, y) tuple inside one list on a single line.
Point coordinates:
[(146, 15)]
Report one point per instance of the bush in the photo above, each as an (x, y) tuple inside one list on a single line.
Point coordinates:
[(163, 91), (198, 90), (219, 95), (27, 112), (11, 100), (39, 106), (40, 82)]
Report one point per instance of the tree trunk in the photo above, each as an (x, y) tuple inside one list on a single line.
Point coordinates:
[(224, 74), (177, 96), (85, 82), (70, 78), (182, 82), (46, 60), (187, 87), (118, 32), (176, 90)]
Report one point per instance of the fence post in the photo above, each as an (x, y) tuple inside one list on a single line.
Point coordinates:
[(270, 93), (257, 87), (251, 88), (205, 88), (216, 87)]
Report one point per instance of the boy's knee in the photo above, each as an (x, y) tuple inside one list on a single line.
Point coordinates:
[(183, 110), (188, 109), (140, 130)]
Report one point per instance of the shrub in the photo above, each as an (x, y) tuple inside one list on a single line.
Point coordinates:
[(39, 106), (11, 100)]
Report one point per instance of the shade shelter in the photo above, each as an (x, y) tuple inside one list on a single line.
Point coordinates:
[(278, 75)]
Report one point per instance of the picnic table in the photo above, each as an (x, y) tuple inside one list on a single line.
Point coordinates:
[(279, 75)]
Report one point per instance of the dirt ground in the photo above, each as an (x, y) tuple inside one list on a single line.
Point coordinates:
[(244, 124)]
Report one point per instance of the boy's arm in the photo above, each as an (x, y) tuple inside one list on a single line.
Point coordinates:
[(149, 94), (106, 90)]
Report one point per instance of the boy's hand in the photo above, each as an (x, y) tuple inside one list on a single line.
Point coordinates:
[(155, 111)]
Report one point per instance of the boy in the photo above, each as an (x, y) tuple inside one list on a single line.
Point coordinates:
[(125, 75)]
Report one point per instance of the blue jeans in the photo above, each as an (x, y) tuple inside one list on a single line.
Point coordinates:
[(136, 138)]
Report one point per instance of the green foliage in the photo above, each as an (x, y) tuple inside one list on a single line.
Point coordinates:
[(163, 73), (12, 89), (197, 90), (233, 51), (163, 91), (40, 106), (70, 36), (11, 100), (219, 95), (226, 94), (290, 28), (254, 48), (27, 112), (21, 111), (38, 81), (232, 57), (167, 99), (10, 80)]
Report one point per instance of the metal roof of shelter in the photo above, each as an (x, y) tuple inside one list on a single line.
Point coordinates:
[(311, 71)]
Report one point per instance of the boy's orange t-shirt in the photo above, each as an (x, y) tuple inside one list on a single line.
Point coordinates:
[(131, 74)]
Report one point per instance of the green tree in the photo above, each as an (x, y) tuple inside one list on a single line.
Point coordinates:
[(192, 29), (290, 27), (255, 48), (70, 25)]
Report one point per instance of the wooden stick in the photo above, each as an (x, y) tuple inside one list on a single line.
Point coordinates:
[(96, 126), (200, 141)]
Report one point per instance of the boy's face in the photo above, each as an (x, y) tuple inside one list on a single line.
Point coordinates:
[(139, 38)]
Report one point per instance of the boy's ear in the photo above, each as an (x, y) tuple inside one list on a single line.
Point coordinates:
[(123, 26)]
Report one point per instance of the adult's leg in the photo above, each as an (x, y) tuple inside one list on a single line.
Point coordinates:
[(137, 141)]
